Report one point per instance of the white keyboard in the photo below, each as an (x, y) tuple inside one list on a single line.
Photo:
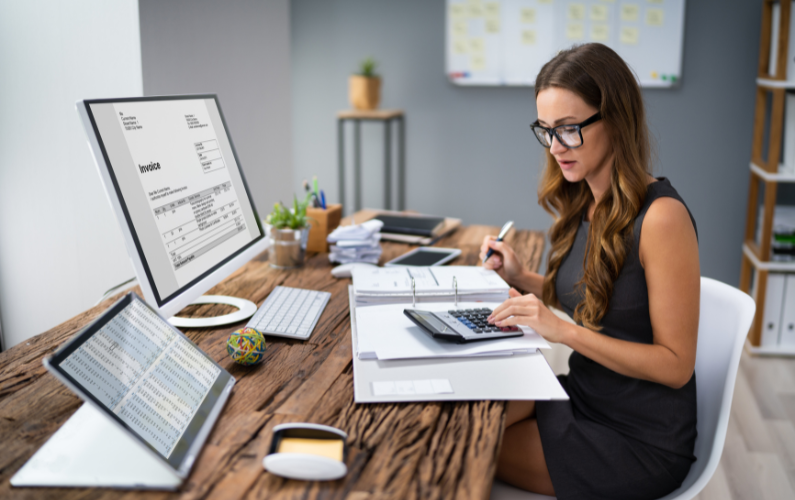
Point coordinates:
[(289, 312)]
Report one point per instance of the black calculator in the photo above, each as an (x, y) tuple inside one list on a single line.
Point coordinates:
[(461, 325)]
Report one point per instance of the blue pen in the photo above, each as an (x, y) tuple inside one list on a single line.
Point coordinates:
[(503, 232), (322, 199)]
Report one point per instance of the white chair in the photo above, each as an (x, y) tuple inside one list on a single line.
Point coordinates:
[(726, 315)]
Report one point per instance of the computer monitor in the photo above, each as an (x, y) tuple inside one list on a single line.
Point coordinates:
[(175, 183)]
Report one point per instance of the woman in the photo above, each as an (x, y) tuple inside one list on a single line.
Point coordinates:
[(624, 264)]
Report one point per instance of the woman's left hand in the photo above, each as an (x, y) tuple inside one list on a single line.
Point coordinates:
[(528, 310)]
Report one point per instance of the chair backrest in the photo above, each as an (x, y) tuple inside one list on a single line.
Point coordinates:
[(725, 318)]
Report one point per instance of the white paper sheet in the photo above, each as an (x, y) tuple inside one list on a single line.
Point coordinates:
[(386, 333), (427, 279), (412, 387)]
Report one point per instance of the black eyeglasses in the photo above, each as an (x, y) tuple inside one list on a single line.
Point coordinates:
[(569, 136)]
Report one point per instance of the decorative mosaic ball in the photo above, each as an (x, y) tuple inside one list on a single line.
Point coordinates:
[(246, 346)]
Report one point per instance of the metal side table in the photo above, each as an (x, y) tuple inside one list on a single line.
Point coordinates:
[(386, 116)]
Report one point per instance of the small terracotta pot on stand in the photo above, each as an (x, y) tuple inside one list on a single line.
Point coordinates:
[(364, 92)]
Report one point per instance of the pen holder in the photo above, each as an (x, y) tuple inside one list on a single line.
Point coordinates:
[(322, 222)]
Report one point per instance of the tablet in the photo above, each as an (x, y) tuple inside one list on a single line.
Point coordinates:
[(148, 378), (425, 256)]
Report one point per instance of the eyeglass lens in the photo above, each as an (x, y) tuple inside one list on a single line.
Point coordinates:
[(569, 136)]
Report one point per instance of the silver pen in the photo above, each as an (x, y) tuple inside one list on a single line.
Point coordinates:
[(507, 227)]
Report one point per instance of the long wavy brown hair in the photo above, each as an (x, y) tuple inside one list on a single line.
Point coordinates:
[(603, 80)]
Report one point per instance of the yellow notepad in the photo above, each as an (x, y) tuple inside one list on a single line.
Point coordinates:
[(331, 448)]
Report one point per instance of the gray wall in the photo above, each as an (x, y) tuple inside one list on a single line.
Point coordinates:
[(470, 152), (240, 50), (60, 242)]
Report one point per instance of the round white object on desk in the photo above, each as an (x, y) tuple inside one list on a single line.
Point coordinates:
[(345, 270), (304, 466)]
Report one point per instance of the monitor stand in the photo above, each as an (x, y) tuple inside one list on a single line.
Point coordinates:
[(246, 310), (90, 450)]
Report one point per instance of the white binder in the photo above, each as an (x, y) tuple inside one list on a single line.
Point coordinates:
[(774, 300), (787, 335)]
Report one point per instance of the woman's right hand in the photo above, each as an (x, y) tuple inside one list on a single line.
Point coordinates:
[(503, 260)]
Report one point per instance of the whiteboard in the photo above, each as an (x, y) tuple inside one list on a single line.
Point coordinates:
[(506, 42)]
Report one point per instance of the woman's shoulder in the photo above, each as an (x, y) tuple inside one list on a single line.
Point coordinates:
[(665, 214), (665, 210), (666, 226)]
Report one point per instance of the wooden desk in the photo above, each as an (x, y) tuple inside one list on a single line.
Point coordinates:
[(400, 451)]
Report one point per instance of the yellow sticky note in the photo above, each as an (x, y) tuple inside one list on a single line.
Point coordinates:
[(476, 46), (492, 25), (475, 10), (474, 2), (629, 35), (629, 12), (529, 37), (457, 11), (477, 62), (460, 46), (654, 75), (574, 31), (656, 1), (576, 11), (544, 1), (654, 17), (600, 32), (492, 9), (331, 448), (460, 28), (598, 12), (528, 16)]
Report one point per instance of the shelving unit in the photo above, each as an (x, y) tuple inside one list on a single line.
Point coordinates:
[(756, 255)]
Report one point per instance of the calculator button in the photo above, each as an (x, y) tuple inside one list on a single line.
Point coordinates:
[(478, 330)]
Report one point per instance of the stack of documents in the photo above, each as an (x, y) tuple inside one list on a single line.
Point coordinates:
[(356, 243), (393, 285), (395, 361), (385, 333)]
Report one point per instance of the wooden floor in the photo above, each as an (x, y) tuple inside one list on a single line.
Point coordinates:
[(758, 461)]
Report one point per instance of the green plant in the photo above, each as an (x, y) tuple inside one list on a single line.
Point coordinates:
[(289, 218), (367, 67)]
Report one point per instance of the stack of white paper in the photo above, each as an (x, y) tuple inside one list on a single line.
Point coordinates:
[(384, 332), (453, 376), (392, 285), (356, 243)]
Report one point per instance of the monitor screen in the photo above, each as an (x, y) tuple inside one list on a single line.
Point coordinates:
[(179, 183)]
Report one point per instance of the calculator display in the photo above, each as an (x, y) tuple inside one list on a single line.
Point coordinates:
[(430, 319), (149, 376)]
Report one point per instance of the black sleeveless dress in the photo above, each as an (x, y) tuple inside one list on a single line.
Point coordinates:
[(617, 437)]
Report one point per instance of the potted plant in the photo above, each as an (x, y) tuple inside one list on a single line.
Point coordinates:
[(288, 230), (365, 87)]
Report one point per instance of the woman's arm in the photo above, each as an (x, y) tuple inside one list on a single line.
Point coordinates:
[(669, 255)]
